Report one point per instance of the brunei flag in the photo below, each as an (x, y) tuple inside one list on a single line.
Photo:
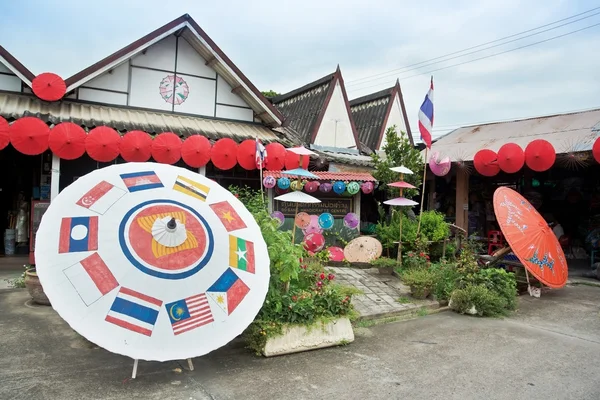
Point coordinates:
[(241, 254), (191, 188), (228, 291)]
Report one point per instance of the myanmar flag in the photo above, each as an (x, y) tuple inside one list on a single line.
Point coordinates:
[(241, 254)]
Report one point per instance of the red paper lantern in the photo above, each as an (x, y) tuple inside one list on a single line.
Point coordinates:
[(136, 146), (49, 86), (67, 140), (246, 154), (102, 144), (166, 148), (292, 160), (275, 157), (29, 135), (486, 162), (224, 154), (596, 150), (511, 158), (195, 151), (540, 155), (4, 133)]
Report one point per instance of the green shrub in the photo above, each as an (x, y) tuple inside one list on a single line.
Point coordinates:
[(487, 303), (445, 279), (500, 282), (421, 281), (384, 262)]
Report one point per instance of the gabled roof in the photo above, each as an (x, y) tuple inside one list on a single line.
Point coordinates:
[(15, 66), (304, 108), (371, 113), (216, 58)]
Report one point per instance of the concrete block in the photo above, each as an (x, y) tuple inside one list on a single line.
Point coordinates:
[(300, 338)]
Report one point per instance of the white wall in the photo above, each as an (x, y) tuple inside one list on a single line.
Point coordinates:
[(10, 82), (331, 135), (395, 118)]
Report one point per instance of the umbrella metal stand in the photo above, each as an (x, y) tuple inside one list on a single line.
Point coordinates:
[(399, 258), (135, 367)]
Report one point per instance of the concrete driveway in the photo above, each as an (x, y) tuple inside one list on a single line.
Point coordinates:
[(550, 349)]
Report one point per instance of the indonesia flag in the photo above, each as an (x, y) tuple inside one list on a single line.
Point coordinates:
[(101, 197), (91, 278), (261, 154), (426, 117)]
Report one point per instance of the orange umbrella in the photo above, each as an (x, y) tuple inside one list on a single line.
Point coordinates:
[(530, 238)]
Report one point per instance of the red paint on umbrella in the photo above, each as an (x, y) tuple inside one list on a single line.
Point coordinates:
[(102, 144), (49, 86), (166, 148), (275, 157), (136, 146), (4, 133), (224, 154), (486, 162), (246, 154), (195, 151), (67, 140), (511, 158), (596, 150), (292, 160), (540, 155), (29, 135)]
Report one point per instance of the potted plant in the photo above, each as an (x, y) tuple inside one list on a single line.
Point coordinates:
[(385, 265), (421, 282), (34, 287)]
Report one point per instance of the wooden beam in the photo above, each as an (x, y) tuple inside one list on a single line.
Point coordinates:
[(211, 62), (237, 89)]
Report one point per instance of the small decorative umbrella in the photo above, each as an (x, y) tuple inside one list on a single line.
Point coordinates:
[(314, 242), (530, 238), (67, 140), (313, 226), (298, 157), (401, 185), (4, 133), (29, 135), (401, 201), (224, 154), (367, 187), (300, 172), (326, 220), (511, 158), (351, 220), (311, 186), (540, 155), (276, 159), (439, 166), (49, 86), (596, 150), (486, 162), (278, 215), (325, 187), (302, 220), (246, 154), (363, 249), (166, 148), (297, 197), (136, 146), (102, 144), (336, 253), (195, 151), (269, 182), (402, 170)]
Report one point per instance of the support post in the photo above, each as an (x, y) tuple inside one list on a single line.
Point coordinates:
[(202, 170), (190, 364), (54, 177), (462, 201), (134, 372)]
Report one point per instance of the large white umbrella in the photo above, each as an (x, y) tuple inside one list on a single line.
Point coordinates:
[(152, 261)]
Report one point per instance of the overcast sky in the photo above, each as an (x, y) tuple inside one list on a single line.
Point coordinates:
[(281, 45)]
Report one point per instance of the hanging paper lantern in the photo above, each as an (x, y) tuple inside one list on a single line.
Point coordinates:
[(325, 187), (353, 188), (296, 185), (283, 183), (486, 162), (278, 215), (339, 187), (511, 158), (596, 150), (540, 155), (269, 182), (302, 220), (326, 221), (314, 242), (367, 187), (351, 221), (311, 186)]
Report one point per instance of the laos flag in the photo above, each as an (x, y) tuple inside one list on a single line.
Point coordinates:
[(426, 117)]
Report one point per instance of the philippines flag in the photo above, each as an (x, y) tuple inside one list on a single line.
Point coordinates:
[(144, 180), (426, 117), (261, 154), (101, 197), (134, 311), (78, 234), (228, 291), (91, 278), (189, 313)]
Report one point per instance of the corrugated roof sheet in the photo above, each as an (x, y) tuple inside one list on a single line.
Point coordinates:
[(369, 114), (567, 133), (127, 119), (330, 176)]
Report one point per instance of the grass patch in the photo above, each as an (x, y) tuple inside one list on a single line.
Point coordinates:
[(404, 300), (423, 311)]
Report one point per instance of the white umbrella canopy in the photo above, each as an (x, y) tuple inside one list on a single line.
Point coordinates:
[(152, 261), (402, 169), (297, 197), (301, 151)]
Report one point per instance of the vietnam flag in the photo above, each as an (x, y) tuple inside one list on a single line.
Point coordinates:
[(230, 219), (241, 254)]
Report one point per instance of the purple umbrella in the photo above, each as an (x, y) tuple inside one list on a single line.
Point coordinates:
[(278, 215), (351, 220)]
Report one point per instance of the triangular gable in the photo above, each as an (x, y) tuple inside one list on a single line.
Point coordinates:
[(236, 89), (12, 72)]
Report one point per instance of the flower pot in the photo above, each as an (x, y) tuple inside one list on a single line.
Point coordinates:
[(419, 293), (34, 287)]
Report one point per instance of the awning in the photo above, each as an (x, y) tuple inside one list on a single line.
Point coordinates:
[(329, 176)]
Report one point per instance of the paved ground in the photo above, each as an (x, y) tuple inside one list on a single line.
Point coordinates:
[(549, 350)]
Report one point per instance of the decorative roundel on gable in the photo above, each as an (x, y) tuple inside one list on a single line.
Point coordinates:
[(174, 90)]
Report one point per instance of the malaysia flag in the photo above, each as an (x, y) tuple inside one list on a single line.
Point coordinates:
[(426, 117), (101, 197), (78, 234), (189, 313)]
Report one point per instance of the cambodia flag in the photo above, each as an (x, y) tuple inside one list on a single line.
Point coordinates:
[(426, 117)]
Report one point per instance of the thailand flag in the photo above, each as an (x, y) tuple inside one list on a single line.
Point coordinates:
[(91, 278), (78, 234), (101, 197), (261, 154), (144, 180), (426, 117), (134, 311)]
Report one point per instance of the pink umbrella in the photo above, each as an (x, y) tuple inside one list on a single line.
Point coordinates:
[(402, 184), (336, 253), (400, 201), (313, 226), (439, 167)]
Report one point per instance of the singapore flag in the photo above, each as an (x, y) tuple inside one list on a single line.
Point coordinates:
[(101, 197)]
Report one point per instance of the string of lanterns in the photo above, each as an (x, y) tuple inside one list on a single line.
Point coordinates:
[(284, 184)]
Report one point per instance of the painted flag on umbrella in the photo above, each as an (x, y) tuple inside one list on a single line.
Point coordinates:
[(261, 154), (241, 254), (189, 313), (101, 197), (426, 117), (78, 234), (91, 278), (191, 188), (228, 291), (144, 180), (230, 219), (134, 311)]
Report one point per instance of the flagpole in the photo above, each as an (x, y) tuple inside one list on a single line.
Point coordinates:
[(423, 191), (426, 116)]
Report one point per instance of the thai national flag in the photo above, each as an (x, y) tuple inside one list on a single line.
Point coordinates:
[(426, 117), (134, 311), (261, 154)]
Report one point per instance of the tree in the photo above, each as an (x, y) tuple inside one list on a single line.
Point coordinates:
[(398, 151), (270, 94)]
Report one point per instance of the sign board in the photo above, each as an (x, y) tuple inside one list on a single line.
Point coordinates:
[(337, 206)]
